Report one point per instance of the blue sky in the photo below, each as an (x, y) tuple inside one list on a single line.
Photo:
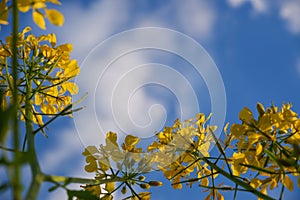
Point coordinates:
[(254, 43)]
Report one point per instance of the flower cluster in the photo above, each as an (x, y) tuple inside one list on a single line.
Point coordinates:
[(39, 11), (125, 164), (177, 152), (268, 145), (179, 147), (46, 66)]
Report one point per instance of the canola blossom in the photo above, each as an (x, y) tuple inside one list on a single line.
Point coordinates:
[(257, 155), (47, 65), (40, 12), (267, 146)]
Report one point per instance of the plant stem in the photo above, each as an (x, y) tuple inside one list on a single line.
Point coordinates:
[(236, 180), (66, 180), (37, 176), (16, 180)]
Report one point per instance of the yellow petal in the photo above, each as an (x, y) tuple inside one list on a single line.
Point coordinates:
[(38, 119), (220, 196), (72, 69), (48, 109), (235, 170), (92, 165), (164, 137), (264, 123), (111, 137), (90, 150), (71, 87), (38, 100), (259, 149), (208, 197), (131, 140), (177, 186), (26, 30), (237, 130), (107, 197), (104, 164), (3, 13), (205, 182), (65, 47), (144, 195), (38, 19), (55, 2), (94, 189), (39, 5), (273, 184), (52, 39), (109, 187), (24, 5), (55, 17), (288, 183), (153, 146), (246, 115), (255, 183)]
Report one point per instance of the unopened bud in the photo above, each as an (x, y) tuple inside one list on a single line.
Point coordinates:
[(145, 186), (141, 178), (260, 108), (124, 190), (155, 183)]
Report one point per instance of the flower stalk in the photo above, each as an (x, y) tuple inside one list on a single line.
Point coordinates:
[(16, 180)]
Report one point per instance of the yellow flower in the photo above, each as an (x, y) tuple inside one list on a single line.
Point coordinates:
[(246, 115), (3, 12), (287, 182), (130, 143), (51, 69), (267, 146), (109, 187), (39, 12), (238, 159)]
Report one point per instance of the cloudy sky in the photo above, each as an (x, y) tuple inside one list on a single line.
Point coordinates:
[(253, 44)]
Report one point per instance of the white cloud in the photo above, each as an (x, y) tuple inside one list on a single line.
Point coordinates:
[(259, 6), (290, 12), (298, 65), (66, 146), (236, 3), (193, 17), (196, 17), (86, 27)]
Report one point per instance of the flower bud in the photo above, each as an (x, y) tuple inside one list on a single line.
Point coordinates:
[(260, 108), (124, 190), (155, 183), (141, 178), (145, 186)]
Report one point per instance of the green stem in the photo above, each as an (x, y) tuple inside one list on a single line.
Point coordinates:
[(16, 180), (66, 180), (37, 176), (236, 180)]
